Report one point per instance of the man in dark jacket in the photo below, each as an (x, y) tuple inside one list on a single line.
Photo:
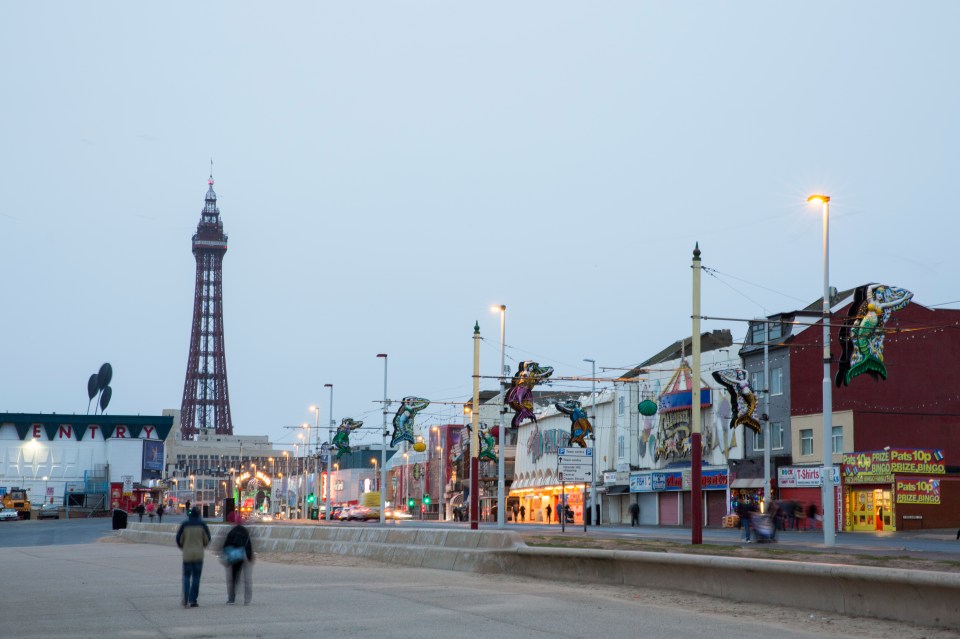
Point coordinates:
[(239, 537), (192, 537)]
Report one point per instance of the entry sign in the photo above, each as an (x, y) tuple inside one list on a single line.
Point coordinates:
[(575, 465)]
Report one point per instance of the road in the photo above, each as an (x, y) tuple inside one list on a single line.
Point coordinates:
[(931, 544), (123, 590)]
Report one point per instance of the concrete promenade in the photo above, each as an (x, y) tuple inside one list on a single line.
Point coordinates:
[(882, 593), (129, 590)]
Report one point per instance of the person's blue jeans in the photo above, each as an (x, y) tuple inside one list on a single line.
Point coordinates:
[(191, 581), (746, 529)]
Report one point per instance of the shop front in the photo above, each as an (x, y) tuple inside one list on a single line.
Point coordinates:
[(664, 496), (884, 490), (543, 504), (801, 486)]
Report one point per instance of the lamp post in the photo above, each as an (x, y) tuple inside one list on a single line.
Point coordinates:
[(301, 494), (501, 479), (441, 480), (45, 478), (593, 440), (829, 536), (284, 482), (329, 451), (475, 434), (314, 456), (376, 481), (383, 450)]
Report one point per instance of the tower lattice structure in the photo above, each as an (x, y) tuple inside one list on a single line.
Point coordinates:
[(206, 400)]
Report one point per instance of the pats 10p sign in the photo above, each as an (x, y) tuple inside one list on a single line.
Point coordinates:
[(924, 490)]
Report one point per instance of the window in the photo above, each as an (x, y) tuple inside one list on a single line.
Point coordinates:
[(620, 446), (776, 435), (806, 441), (757, 382), (621, 405), (836, 439), (776, 330), (758, 441), (776, 381), (757, 330)]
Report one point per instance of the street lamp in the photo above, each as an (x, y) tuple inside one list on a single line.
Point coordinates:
[(306, 470), (441, 480), (45, 478), (376, 482), (501, 479), (404, 481), (593, 440), (301, 497), (826, 486), (383, 450), (329, 450)]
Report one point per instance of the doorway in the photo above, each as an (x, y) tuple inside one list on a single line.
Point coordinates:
[(871, 510)]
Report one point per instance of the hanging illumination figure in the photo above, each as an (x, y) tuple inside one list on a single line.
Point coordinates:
[(486, 445), (861, 337), (580, 425), (744, 400), (403, 420), (341, 439), (520, 395)]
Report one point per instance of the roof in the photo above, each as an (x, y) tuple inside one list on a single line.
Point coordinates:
[(713, 340)]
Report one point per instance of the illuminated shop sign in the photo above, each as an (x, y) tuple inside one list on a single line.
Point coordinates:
[(879, 466), (918, 490)]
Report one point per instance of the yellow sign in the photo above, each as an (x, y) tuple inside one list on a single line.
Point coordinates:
[(370, 500), (918, 491)]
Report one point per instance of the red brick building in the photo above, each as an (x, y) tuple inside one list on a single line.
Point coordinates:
[(916, 407)]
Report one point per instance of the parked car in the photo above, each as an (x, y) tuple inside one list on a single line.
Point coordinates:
[(8, 514), (49, 511)]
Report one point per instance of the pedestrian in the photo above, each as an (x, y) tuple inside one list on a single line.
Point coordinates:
[(775, 513), (160, 510), (634, 514), (813, 516), (237, 542), (192, 537), (747, 509), (140, 510), (568, 513), (549, 511), (799, 516), (150, 512), (523, 513), (516, 513)]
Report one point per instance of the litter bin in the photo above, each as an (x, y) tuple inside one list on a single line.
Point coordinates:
[(314, 513), (119, 519)]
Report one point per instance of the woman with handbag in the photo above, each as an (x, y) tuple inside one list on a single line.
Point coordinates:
[(237, 555)]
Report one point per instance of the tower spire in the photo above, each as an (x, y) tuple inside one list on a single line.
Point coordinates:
[(206, 399)]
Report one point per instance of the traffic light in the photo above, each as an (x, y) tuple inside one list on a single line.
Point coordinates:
[(311, 499), (411, 503), (426, 500)]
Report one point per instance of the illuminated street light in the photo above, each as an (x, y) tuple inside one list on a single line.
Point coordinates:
[(829, 521)]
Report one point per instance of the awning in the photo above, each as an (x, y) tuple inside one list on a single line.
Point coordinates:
[(618, 490), (747, 483)]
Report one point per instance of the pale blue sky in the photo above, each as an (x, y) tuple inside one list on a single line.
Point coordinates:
[(388, 171)]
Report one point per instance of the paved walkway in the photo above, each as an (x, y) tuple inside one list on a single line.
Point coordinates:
[(133, 591)]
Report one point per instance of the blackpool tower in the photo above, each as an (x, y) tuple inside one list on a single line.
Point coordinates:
[(206, 400)]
